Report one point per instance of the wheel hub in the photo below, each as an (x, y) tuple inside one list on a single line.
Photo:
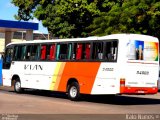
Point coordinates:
[(73, 91)]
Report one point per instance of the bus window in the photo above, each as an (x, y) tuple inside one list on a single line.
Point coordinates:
[(18, 52), (28, 52), (78, 51), (43, 52), (57, 52), (52, 52), (111, 51), (82, 51), (34, 55), (23, 53), (48, 52), (8, 58), (97, 51), (87, 51), (69, 51), (62, 51)]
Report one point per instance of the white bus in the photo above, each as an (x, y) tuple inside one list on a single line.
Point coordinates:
[(113, 64)]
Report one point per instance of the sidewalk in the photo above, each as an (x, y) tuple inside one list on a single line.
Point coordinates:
[(4, 88)]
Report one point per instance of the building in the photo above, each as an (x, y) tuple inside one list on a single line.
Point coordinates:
[(19, 37), (8, 28)]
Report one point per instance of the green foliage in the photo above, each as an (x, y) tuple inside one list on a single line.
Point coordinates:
[(129, 16), (26, 8), (63, 18), (81, 18)]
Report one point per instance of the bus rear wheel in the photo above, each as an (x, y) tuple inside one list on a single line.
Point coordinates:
[(73, 91), (17, 86)]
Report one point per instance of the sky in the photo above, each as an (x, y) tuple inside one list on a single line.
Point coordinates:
[(8, 10)]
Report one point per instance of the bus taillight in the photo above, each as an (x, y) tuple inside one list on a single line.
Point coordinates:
[(122, 82)]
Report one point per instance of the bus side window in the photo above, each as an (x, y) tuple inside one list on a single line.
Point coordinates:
[(57, 52), (83, 51), (34, 55), (52, 52), (23, 53), (28, 52), (111, 51), (87, 51), (97, 51), (18, 52), (62, 50), (69, 51), (8, 58), (74, 51), (43, 52), (79, 51)]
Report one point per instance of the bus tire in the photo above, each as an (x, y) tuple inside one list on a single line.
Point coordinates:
[(17, 86), (73, 91)]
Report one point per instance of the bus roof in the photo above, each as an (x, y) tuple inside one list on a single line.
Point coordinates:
[(130, 36), (113, 36)]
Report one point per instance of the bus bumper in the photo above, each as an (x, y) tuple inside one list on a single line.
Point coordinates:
[(138, 90)]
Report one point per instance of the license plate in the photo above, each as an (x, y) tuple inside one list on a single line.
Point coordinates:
[(140, 91)]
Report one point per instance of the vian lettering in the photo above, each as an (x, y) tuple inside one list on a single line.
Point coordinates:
[(33, 67)]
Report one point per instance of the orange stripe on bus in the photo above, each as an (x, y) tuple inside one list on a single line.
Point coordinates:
[(59, 76), (84, 72), (55, 75)]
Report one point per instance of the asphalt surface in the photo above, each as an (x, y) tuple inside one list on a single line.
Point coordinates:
[(36, 104)]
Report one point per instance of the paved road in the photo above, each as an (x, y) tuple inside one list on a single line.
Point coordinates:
[(43, 102)]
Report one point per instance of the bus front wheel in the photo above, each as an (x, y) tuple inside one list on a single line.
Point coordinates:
[(17, 86), (73, 91)]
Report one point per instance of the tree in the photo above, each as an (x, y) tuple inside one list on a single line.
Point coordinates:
[(81, 18), (125, 16), (63, 18)]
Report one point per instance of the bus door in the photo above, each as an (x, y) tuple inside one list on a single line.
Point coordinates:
[(7, 61)]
